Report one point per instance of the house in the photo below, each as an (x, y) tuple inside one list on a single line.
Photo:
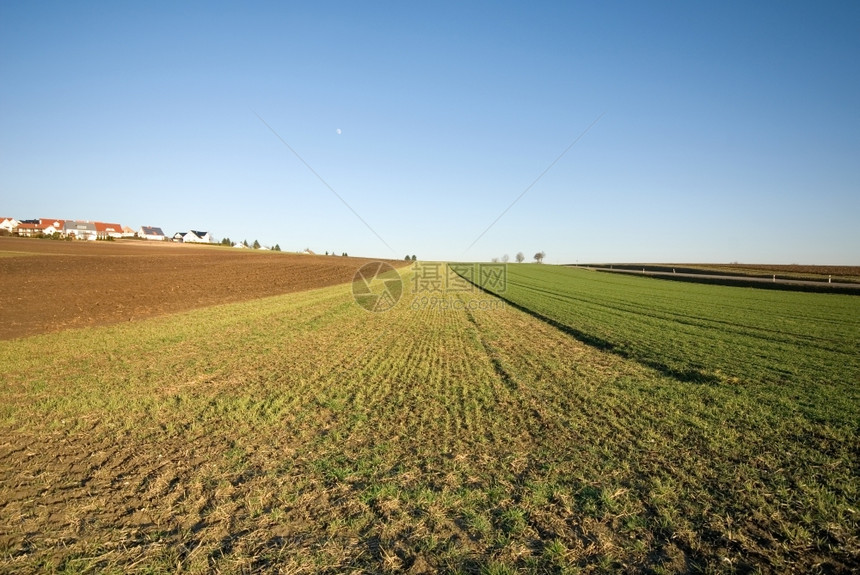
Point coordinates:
[(106, 230), (79, 230), (196, 237), (51, 226), (40, 227), (127, 232), (150, 233), (28, 230), (192, 237), (57, 224), (9, 224)]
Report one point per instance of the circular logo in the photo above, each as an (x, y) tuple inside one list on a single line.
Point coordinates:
[(377, 286)]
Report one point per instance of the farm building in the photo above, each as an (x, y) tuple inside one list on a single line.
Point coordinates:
[(150, 233)]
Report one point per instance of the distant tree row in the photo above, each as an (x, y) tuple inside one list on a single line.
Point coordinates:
[(409, 258), (520, 257), (256, 245)]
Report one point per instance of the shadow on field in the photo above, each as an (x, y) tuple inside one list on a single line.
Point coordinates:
[(684, 375)]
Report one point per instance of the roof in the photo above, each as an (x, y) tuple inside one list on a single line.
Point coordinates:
[(151, 231), (106, 227), (199, 234), (78, 225), (40, 226)]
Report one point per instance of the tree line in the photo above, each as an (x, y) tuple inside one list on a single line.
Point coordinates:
[(520, 258)]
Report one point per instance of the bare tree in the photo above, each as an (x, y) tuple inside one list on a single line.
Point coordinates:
[(495, 260), (520, 257), (506, 258), (539, 257)]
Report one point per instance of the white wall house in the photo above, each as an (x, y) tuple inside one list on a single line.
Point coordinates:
[(8, 224), (150, 233), (43, 228), (57, 224), (108, 230), (80, 230), (195, 237)]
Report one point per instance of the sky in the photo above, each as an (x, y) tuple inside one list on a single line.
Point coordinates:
[(592, 131)]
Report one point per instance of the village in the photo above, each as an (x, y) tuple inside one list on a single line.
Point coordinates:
[(106, 231)]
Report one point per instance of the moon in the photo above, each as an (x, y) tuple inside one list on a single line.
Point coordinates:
[(339, 131)]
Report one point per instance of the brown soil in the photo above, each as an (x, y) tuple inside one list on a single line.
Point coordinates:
[(841, 271), (48, 286)]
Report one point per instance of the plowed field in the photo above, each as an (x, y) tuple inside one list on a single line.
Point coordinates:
[(48, 286)]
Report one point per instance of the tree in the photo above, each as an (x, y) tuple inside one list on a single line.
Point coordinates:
[(520, 257), (226, 242), (414, 258), (256, 245), (495, 260), (506, 258), (406, 258), (277, 248), (245, 243), (539, 257)]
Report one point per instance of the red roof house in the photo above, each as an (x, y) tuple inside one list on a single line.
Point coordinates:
[(107, 230)]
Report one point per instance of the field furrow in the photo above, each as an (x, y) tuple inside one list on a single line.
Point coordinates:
[(301, 433)]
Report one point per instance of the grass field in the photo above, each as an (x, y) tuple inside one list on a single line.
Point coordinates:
[(702, 333), (301, 433)]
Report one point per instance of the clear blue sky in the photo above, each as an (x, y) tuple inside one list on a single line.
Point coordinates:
[(731, 129)]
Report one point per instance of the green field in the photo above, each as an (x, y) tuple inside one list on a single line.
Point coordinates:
[(596, 424), (808, 344)]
